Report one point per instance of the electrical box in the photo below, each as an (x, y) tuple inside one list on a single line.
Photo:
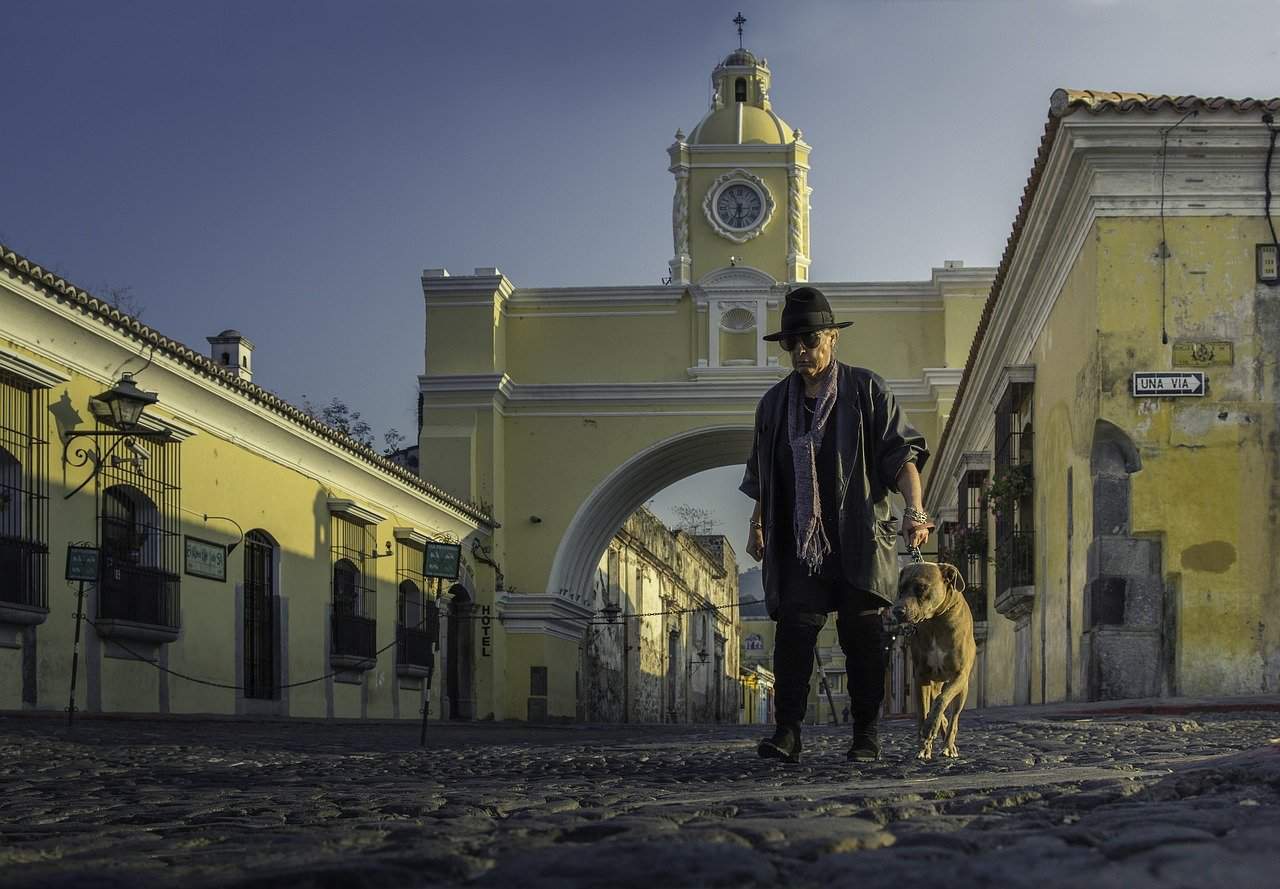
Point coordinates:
[(1268, 264)]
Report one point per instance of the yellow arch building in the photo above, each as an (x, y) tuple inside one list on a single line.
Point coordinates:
[(564, 409)]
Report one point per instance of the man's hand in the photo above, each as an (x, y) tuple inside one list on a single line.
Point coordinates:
[(755, 543), (915, 535)]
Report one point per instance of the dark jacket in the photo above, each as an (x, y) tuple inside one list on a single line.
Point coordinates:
[(873, 442)]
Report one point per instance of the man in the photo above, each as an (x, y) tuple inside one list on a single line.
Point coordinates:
[(830, 446)]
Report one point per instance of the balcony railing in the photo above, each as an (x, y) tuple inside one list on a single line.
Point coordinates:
[(414, 648), (139, 594), (354, 636), (976, 597), (1015, 560), (23, 564)]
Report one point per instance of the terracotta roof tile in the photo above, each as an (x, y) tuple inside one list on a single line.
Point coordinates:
[(64, 291)]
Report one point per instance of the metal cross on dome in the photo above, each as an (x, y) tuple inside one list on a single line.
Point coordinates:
[(739, 21)]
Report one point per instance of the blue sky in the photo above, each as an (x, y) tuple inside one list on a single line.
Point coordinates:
[(289, 168)]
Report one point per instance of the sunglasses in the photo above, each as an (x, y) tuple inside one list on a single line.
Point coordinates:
[(810, 341)]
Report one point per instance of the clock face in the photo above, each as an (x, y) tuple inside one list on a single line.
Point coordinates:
[(739, 206)]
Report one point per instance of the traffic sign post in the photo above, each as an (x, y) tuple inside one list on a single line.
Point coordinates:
[(82, 568), (1168, 384)]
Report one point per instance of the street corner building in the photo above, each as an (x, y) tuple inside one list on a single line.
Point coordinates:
[(1109, 468), (235, 556)]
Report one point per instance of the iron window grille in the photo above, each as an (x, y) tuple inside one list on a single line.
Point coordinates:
[(968, 540), (260, 676), (353, 602), (417, 615), (24, 493), (1013, 490), (139, 535)]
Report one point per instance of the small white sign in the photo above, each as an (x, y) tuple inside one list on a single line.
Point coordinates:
[(1168, 383)]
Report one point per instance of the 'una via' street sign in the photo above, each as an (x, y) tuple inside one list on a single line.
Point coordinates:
[(1167, 383)]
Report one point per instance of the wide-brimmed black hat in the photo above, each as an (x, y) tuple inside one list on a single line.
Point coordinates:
[(805, 311)]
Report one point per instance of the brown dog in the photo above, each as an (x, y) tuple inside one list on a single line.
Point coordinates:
[(943, 652)]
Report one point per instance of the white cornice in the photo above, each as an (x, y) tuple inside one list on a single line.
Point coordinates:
[(410, 535), (963, 275), (544, 614), (1020, 373), (349, 509), (736, 385), (36, 374), (784, 148)]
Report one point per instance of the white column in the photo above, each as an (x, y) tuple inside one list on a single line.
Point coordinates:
[(762, 319), (713, 333)]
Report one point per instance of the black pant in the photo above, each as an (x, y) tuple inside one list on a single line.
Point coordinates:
[(858, 626)]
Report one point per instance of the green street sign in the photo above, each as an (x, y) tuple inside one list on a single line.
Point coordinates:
[(441, 560), (82, 563)]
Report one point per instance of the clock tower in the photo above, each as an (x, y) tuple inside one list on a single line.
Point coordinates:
[(742, 193)]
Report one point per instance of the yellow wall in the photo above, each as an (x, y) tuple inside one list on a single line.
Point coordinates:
[(1206, 486), (258, 469)]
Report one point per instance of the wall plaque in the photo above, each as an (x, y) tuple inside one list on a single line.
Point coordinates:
[(206, 559), (1203, 354)]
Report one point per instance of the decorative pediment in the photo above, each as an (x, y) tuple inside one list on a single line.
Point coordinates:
[(736, 278)]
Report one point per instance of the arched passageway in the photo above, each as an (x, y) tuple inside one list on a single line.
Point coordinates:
[(624, 490)]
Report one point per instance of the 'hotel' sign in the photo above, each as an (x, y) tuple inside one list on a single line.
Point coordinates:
[(1168, 383)]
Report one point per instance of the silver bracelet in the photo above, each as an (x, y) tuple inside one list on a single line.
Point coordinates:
[(919, 516)]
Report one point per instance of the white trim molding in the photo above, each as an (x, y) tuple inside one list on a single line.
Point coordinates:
[(1020, 373), (349, 509), (543, 614), (715, 387), (35, 374), (410, 535)]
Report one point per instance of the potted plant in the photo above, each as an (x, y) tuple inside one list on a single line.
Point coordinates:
[(969, 540), (1009, 487)]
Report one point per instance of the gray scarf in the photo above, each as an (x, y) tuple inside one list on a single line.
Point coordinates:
[(811, 540)]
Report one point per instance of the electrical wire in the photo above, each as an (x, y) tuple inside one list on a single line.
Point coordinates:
[(1164, 241), (212, 684), (1266, 177)]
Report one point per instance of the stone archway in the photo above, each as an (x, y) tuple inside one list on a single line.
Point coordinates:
[(624, 490)]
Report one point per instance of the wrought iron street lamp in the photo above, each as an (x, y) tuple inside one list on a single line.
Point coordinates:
[(125, 403)]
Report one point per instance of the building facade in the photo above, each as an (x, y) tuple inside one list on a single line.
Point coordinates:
[(663, 646), (249, 560), (563, 449), (1109, 467)]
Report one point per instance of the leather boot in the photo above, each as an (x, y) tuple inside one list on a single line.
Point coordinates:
[(784, 745), (866, 743)]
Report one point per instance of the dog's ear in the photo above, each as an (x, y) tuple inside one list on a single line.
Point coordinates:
[(952, 577)]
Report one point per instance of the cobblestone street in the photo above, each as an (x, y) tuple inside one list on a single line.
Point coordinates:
[(1050, 797)]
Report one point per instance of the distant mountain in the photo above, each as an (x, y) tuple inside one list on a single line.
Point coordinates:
[(751, 587)]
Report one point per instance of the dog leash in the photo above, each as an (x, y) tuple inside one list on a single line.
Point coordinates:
[(896, 630)]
